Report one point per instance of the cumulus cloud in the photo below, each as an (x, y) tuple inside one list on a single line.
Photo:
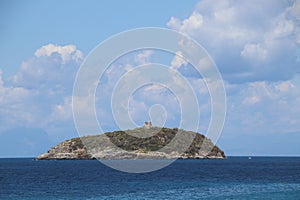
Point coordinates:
[(63, 110), (68, 52), (15, 108), (264, 107), (254, 51), (178, 61), (191, 24), (251, 100), (154, 87), (38, 95), (249, 41), (143, 57), (285, 86), (256, 47), (141, 102), (53, 67), (10, 94), (252, 105)]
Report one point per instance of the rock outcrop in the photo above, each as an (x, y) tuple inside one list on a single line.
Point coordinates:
[(139, 143)]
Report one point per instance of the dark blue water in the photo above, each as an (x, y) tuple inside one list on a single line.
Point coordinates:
[(233, 178)]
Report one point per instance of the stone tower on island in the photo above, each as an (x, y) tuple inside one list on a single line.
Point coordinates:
[(148, 124)]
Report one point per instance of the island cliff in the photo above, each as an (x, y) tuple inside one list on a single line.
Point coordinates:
[(127, 146)]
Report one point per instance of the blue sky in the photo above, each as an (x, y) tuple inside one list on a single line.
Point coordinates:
[(255, 44)]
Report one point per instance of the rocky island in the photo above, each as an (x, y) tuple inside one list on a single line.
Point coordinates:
[(139, 143)]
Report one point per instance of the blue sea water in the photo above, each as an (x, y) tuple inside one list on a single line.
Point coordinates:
[(233, 178)]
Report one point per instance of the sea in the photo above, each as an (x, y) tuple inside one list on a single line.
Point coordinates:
[(231, 178)]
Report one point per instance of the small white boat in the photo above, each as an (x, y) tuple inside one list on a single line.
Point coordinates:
[(249, 158)]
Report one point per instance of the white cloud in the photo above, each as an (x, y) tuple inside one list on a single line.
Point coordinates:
[(62, 111), (143, 57), (191, 24), (263, 107), (285, 86), (12, 95), (67, 53), (257, 38), (38, 95), (294, 9), (284, 28), (137, 110), (251, 100), (178, 61), (15, 107), (154, 87), (174, 23), (199, 86), (254, 51), (48, 69)]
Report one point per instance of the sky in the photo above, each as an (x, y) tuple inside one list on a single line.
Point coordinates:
[(254, 44)]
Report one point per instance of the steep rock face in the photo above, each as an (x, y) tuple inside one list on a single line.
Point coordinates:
[(138, 143), (67, 150)]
